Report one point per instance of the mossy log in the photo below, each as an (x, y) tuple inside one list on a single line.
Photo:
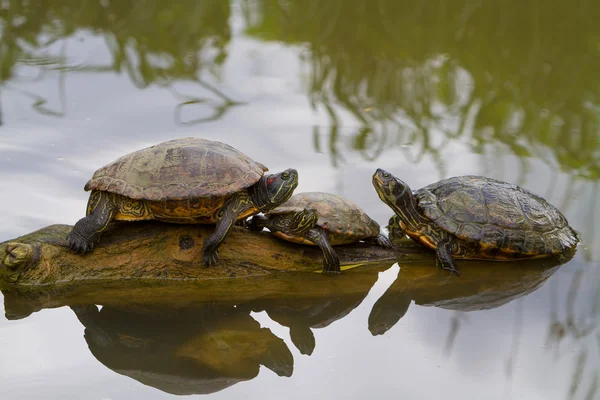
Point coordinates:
[(153, 250)]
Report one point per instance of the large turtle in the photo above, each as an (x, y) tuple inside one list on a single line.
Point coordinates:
[(189, 180), (475, 217), (324, 220)]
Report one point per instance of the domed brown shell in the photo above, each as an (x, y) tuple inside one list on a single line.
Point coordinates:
[(496, 214), (179, 169), (340, 217)]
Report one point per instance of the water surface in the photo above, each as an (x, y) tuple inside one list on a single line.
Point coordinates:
[(336, 89)]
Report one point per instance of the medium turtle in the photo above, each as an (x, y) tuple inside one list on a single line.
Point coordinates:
[(474, 217), (324, 220), (188, 180)]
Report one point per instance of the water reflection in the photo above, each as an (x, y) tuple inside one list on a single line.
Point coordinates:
[(420, 77), (172, 337), (410, 92), (487, 286), (331, 301), (153, 44), (411, 72), (195, 350)]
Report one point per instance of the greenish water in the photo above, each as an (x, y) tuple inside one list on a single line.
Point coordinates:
[(336, 89)]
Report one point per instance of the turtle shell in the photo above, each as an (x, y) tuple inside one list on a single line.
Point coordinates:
[(179, 169), (499, 215), (343, 219)]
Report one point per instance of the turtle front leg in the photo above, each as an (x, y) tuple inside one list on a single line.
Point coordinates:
[(295, 224), (396, 231), (380, 240), (331, 261), (444, 256), (228, 215), (87, 231)]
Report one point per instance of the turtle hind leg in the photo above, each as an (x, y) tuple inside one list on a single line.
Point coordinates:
[(331, 261), (380, 240), (87, 231), (444, 256)]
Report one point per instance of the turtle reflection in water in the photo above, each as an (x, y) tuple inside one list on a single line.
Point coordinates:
[(188, 180), (183, 351), (324, 220), (474, 217)]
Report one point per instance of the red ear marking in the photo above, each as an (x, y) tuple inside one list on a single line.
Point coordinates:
[(271, 180)]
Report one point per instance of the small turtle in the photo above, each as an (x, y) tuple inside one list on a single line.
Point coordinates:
[(474, 217), (188, 180), (324, 220)]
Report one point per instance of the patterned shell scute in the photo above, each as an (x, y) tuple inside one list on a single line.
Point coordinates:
[(337, 215), (179, 169), (497, 214)]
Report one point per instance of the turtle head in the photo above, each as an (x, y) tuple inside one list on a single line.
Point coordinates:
[(303, 220), (277, 189), (389, 188), (396, 194)]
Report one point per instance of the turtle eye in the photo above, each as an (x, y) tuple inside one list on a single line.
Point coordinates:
[(285, 176), (386, 175)]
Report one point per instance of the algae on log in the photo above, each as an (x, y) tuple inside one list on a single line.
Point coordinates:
[(154, 250)]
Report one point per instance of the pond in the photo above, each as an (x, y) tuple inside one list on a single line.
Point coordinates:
[(335, 89)]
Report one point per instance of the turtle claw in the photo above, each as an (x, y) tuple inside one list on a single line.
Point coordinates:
[(450, 268), (210, 258), (331, 265), (332, 269), (384, 242), (79, 245)]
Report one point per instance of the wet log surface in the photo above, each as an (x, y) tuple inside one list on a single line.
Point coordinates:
[(152, 250)]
